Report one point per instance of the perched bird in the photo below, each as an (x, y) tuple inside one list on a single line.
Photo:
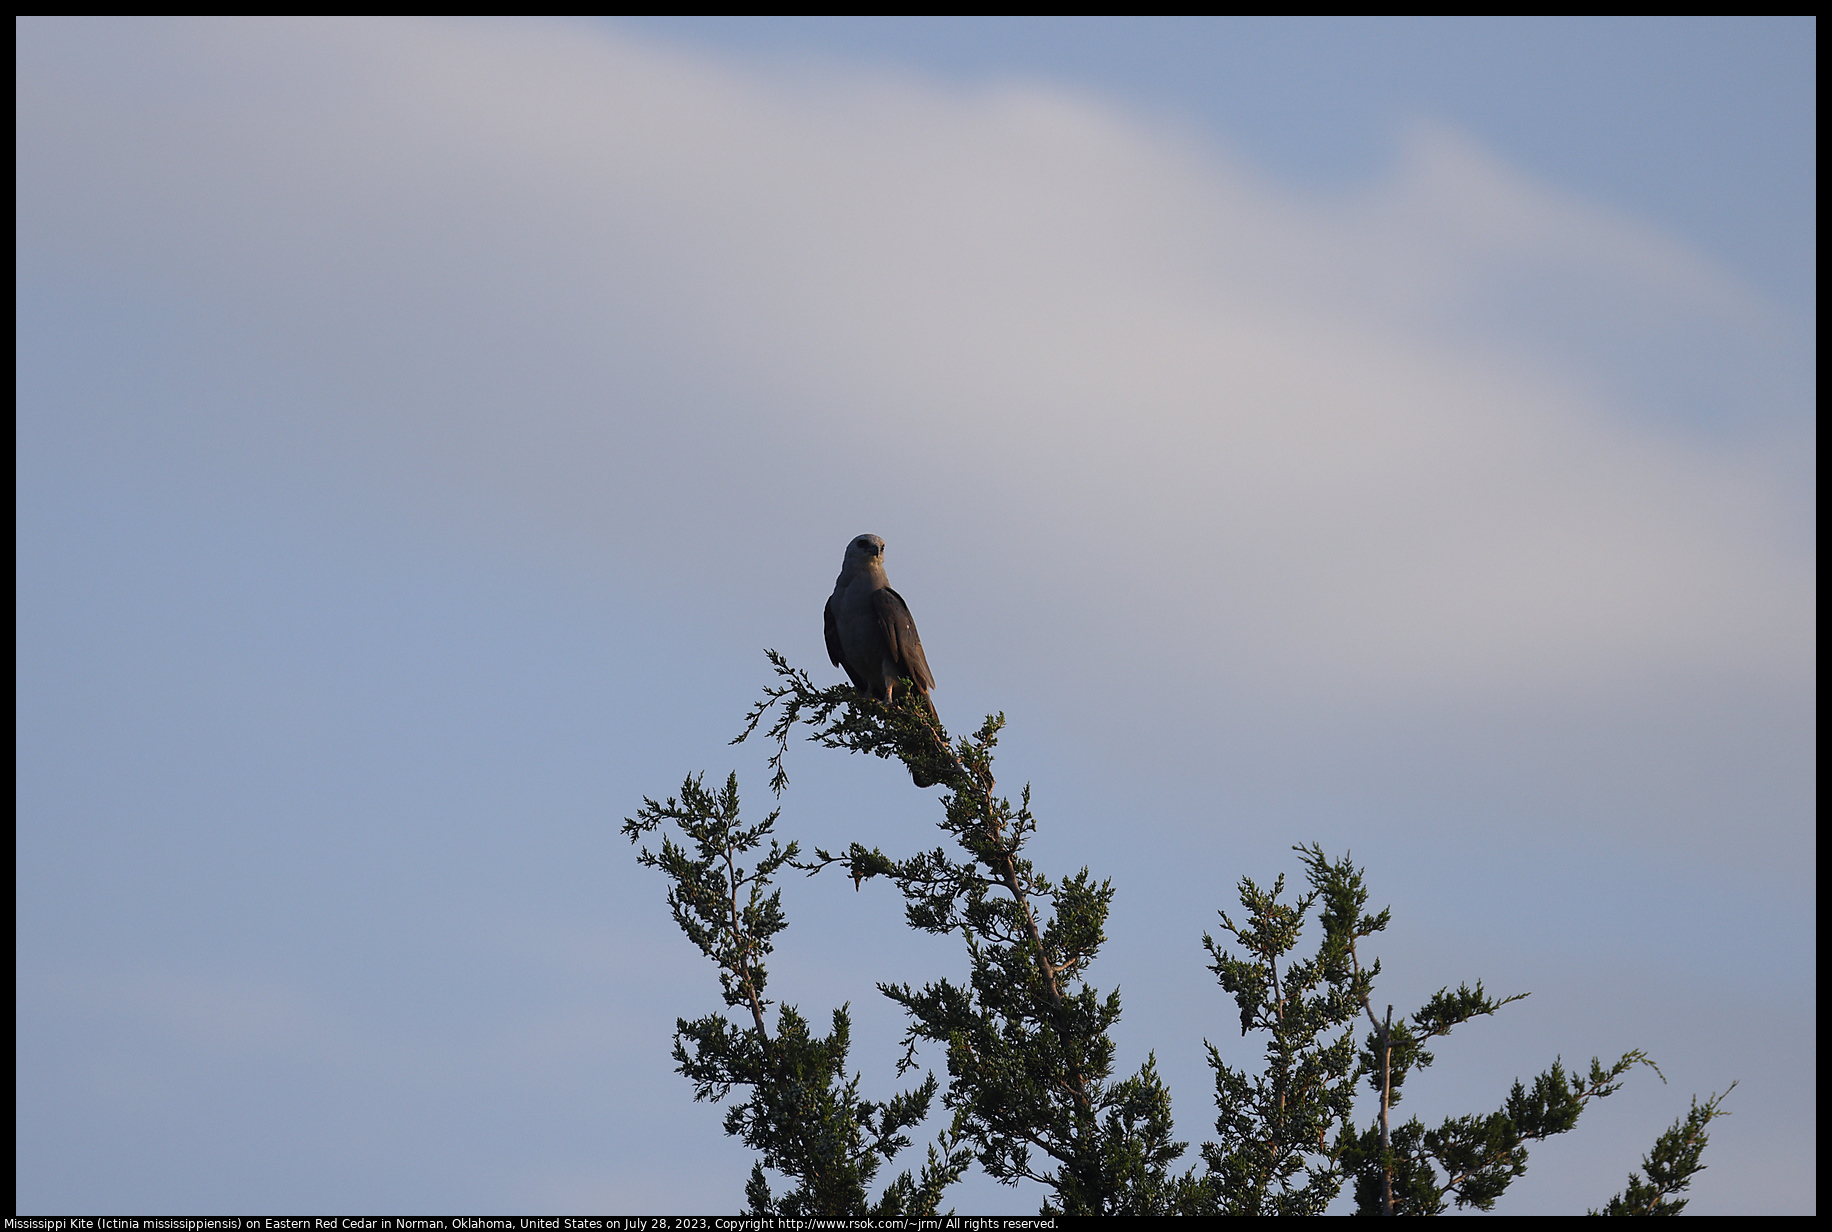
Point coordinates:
[(870, 631)]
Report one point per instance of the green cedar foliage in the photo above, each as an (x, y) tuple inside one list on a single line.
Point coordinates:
[(1029, 1045), (1274, 1153), (1029, 1042), (802, 1114), (1671, 1165), (1287, 1141)]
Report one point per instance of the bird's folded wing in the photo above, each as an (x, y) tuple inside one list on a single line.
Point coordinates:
[(834, 650), (899, 630)]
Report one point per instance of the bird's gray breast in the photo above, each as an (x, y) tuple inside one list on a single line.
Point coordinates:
[(860, 638)]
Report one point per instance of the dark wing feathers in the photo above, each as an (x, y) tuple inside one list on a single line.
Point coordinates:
[(833, 635), (899, 630), (835, 651)]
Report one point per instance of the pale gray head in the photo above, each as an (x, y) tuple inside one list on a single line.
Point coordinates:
[(863, 551)]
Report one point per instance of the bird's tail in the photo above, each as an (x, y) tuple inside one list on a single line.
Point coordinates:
[(917, 776)]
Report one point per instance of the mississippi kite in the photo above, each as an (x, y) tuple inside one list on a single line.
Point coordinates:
[(870, 631)]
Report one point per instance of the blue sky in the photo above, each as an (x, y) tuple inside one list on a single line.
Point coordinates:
[(1396, 435)]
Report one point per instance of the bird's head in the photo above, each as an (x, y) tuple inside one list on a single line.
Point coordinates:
[(862, 551)]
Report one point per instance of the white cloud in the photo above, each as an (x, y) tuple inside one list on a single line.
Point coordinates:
[(624, 297)]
